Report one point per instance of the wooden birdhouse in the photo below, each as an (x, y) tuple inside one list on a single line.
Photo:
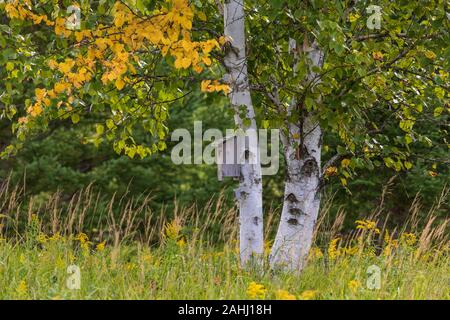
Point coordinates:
[(227, 158), (231, 153)]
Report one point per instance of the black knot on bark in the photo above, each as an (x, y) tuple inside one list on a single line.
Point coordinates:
[(291, 198), (310, 167), (295, 211)]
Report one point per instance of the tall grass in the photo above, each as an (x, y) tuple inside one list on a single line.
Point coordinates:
[(127, 251)]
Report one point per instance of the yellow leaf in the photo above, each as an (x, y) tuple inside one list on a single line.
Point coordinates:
[(66, 66), (207, 61), (408, 165), (186, 62), (119, 20), (201, 15), (330, 171), (377, 55), (120, 84), (345, 163), (40, 93), (60, 87), (178, 63), (430, 55), (35, 109), (432, 173), (52, 64), (353, 17), (47, 102), (205, 84)]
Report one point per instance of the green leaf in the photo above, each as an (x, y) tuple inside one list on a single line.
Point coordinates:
[(75, 118)]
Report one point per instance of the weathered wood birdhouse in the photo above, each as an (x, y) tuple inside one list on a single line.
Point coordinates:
[(227, 158), (234, 151)]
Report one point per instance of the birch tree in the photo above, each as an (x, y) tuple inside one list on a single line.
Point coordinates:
[(356, 84), (249, 192), (363, 73)]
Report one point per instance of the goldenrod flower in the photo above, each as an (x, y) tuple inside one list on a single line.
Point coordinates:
[(284, 295), (181, 243), (408, 238), (130, 266), (22, 288), (354, 285), (255, 290), (82, 237), (42, 238), (315, 253), (367, 225), (172, 229), (333, 250), (308, 294), (55, 237), (351, 251), (390, 244), (146, 258), (101, 246)]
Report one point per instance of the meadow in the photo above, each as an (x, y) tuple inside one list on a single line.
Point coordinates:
[(130, 252)]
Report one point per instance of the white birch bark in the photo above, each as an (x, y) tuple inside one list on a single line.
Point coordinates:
[(302, 195), (249, 192)]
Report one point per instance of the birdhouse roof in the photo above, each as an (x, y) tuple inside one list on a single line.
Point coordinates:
[(223, 140)]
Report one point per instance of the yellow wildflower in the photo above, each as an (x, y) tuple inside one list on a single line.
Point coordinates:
[(42, 238), (181, 243), (101, 246), (354, 285), (284, 295), (351, 251), (172, 229), (255, 290), (333, 250), (130, 266), (82, 237), (367, 225), (55, 237), (308, 294), (408, 238), (315, 253), (22, 288), (146, 258), (390, 244)]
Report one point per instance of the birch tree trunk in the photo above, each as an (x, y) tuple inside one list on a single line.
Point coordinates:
[(249, 192), (301, 195)]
